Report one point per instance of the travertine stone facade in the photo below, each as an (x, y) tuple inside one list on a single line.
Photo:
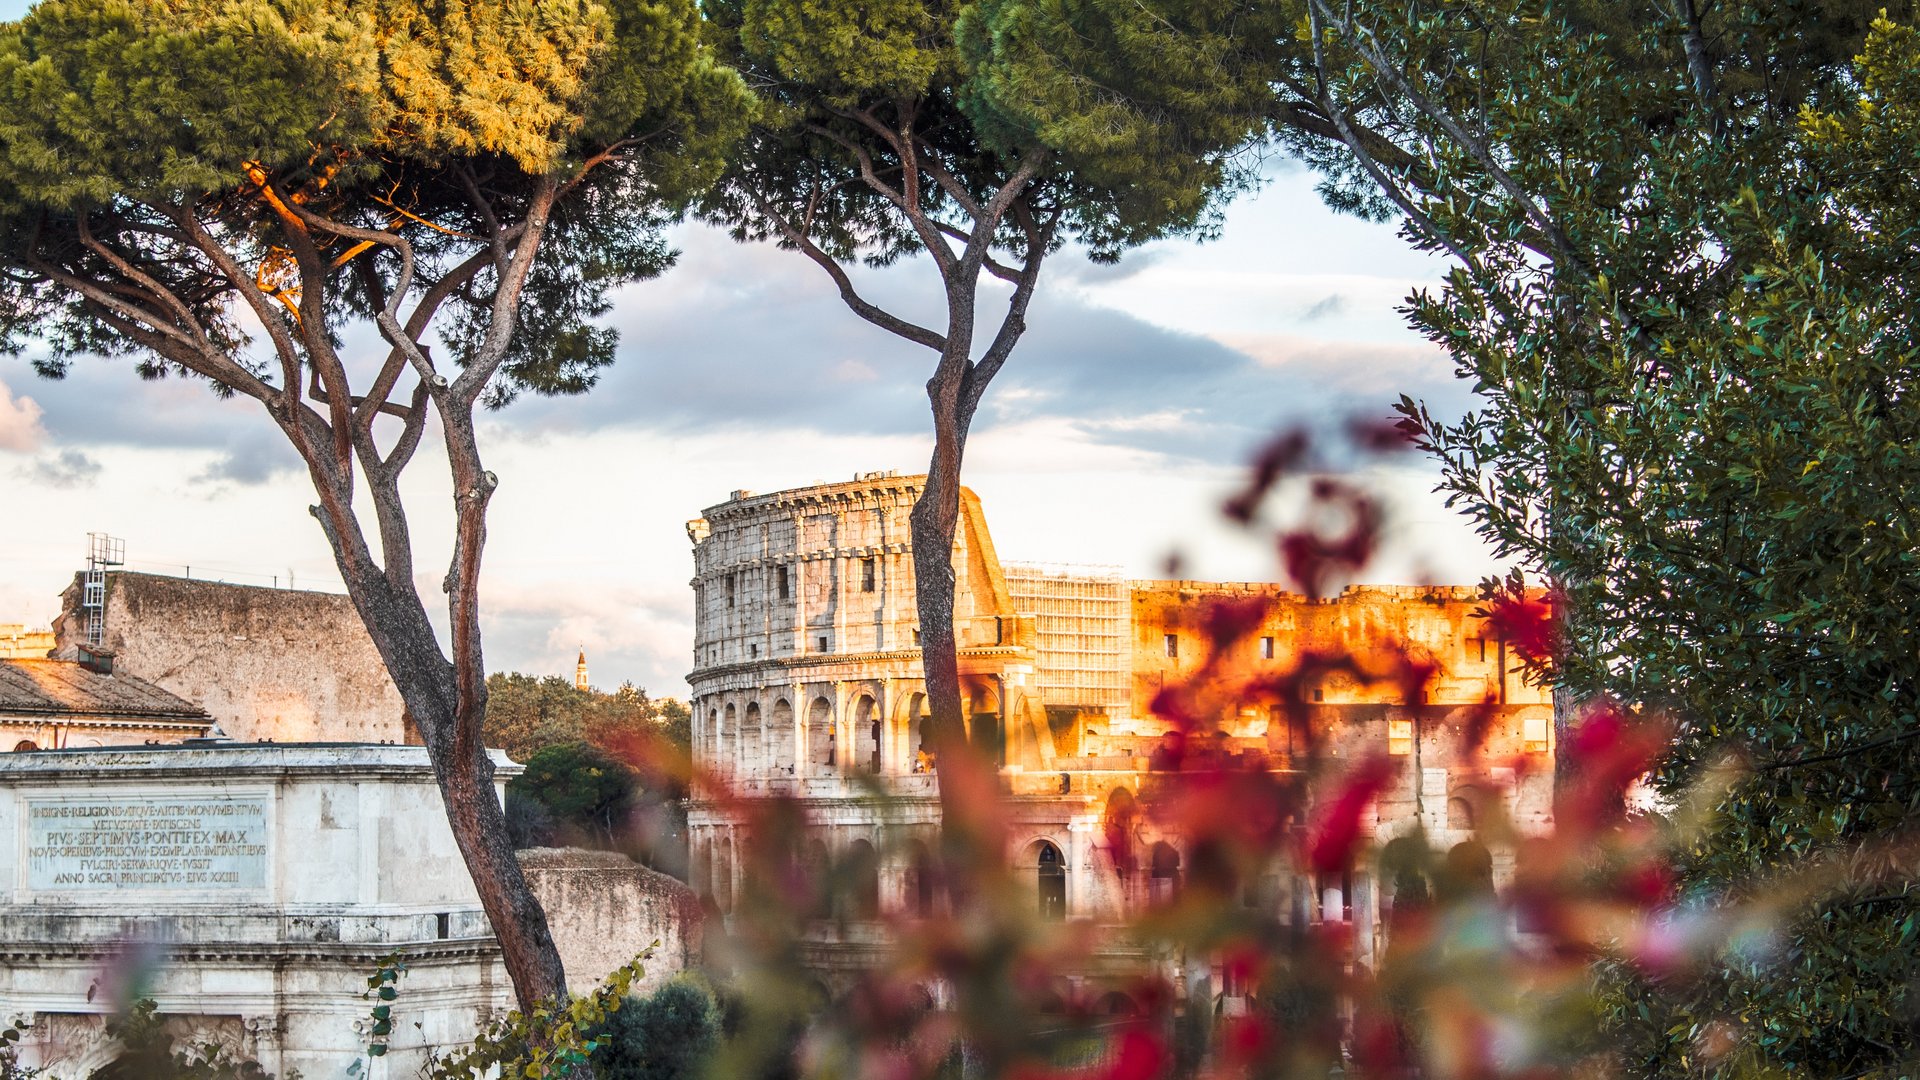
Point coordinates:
[(265, 882), (806, 659), (277, 664), (806, 676)]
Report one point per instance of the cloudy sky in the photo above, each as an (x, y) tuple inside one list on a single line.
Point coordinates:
[(1134, 401)]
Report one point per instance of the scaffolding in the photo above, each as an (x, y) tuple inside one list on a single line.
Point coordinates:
[(103, 551), (1083, 633)]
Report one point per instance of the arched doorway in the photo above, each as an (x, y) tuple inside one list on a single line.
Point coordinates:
[(780, 738), (751, 742), (866, 731), (919, 879), (1050, 881), (1164, 867), (820, 740), (985, 726), (862, 873)]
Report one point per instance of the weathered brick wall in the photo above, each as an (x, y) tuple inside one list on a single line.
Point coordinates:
[(276, 664), (604, 908)]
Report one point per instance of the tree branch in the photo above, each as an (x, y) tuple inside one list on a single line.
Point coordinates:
[(874, 314)]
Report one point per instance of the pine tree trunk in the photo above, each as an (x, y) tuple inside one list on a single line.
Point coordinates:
[(465, 774)]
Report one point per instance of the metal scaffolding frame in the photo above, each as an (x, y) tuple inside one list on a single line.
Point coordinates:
[(1083, 632)]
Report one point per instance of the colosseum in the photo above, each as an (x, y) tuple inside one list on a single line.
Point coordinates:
[(806, 683)]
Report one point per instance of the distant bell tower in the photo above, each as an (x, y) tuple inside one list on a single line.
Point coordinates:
[(580, 670)]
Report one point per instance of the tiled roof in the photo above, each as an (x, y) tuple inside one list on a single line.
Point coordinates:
[(64, 687)]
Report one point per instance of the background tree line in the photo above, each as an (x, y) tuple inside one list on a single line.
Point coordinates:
[(603, 770)]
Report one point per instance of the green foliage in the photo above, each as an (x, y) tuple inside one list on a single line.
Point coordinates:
[(528, 713), (543, 1043), (128, 115), (1139, 101), (1686, 290), (975, 91), (578, 783), (603, 770), (667, 1035), (102, 100)]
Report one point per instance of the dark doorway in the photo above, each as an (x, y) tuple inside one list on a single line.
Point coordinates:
[(1050, 874)]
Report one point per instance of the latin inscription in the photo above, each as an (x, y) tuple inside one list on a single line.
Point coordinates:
[(161, 843)]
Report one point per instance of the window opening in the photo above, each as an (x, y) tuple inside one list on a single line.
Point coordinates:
[(1400, 737)]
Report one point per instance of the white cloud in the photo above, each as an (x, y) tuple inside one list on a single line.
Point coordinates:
[(20, 428)]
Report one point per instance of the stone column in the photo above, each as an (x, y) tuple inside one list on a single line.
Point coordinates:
[(1080, 871), (1365, 916), (737, 876), (797, 732), (842, 746), (263, 1040)]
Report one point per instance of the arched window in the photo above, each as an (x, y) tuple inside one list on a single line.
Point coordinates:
[(820, 741), (751, 762), (1115, 1003), (25, 744), (1164, 865), (780, 738), (862, 874), (729, 756), (866, 732), (1050, 881)]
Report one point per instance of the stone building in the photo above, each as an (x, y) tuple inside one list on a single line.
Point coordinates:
[(807, 683), (56, 704), (276, 664), (19, 643), (262, 885)]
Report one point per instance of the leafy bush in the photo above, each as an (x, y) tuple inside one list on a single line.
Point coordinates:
[(667, 1035)]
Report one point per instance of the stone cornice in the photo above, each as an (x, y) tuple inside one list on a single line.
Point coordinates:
[(358, 954), (227, 760), (791, 558), (866, 490), (798, 664)]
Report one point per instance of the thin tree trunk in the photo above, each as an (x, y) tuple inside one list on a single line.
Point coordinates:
[(429, 687), (932, 525)]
